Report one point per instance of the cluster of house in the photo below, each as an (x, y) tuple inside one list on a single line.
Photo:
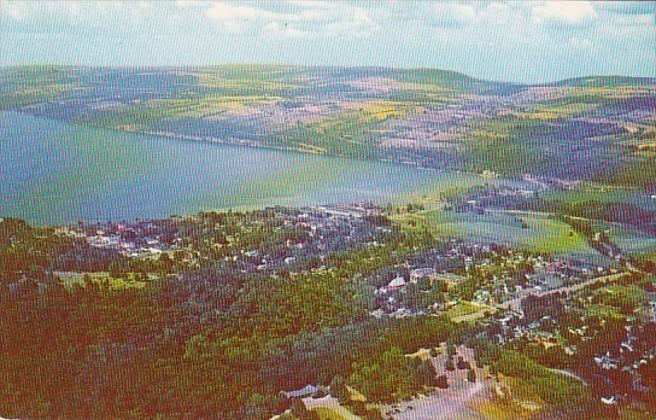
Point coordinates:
[(519, 275), (318, 231), (324, 230), (140, 239), (621, 369), (617, 365)]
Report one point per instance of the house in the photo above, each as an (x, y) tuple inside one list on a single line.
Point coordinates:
[(396, 283), (606, 362), (306, 391), (420, 273), (609, 401)]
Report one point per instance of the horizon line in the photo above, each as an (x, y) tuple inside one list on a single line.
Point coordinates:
[(320, 66)]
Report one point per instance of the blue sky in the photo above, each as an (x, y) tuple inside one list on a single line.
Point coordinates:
[(513, 41)]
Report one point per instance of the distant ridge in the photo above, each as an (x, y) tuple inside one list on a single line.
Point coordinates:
[(597, 128), (420, 73)]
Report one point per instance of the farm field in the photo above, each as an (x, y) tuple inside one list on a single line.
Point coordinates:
[(422, 117), (539, 233)]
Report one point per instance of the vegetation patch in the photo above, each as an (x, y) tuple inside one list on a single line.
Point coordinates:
[(535, 233)]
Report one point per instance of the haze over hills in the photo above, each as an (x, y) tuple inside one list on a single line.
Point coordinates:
[(592, 128)]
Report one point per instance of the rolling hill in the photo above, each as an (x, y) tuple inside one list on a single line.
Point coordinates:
[(595, 128)]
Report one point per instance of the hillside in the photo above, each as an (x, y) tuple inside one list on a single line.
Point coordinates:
[(597, 128)]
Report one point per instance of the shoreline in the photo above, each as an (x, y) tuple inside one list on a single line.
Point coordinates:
[(237, 142)]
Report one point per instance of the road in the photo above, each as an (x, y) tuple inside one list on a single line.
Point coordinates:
[(569, 374), (444, 405), (516, 302)]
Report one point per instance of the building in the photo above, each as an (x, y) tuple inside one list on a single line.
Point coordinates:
[(304, 392)]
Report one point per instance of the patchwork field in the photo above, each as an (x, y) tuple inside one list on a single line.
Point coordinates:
[(597, 129)]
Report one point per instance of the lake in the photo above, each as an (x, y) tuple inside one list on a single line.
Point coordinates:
[(55, 172)]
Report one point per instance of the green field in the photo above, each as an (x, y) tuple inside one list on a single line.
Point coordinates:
[(632, 241), (467, 311), (538, 233), (72, 278), (326, 413)]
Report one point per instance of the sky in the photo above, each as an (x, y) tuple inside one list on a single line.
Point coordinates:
[(519, 41)]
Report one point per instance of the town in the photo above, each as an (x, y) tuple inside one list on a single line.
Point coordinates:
[(588, 319)]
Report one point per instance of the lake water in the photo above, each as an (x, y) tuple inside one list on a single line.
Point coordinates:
[(55, 172)]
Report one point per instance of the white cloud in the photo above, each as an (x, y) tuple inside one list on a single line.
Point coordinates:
[(358, 24), (568, 12), (315, 4), (294, 19), (454, 13), (184, 4), (518, 40), (70, 12), (285, 30), (14, 10), (230, 12)]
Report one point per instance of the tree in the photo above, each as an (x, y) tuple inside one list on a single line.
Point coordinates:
[(462, 364), (411, 297), (387, 377), (221, 239), (300, 411), (423, 284), (427, 373), (358, 408), (88, 283), (165, 262), (117, 269), (440, 286), (479, 362), (338, 389), (373, 414), (450, 349), (37, 273)]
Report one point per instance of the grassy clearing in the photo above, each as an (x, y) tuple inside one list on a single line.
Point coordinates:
[(602, 312), (344, 134), (532, 232), (468, 311), (69, 279), (144, 116), (603, 194), (356, 395), (381, 110), (422, 354), (326, 413), (498, 410), (553, 236), (329, 408), (620, 296), (515, 400), (556, 111), (217, 82)]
